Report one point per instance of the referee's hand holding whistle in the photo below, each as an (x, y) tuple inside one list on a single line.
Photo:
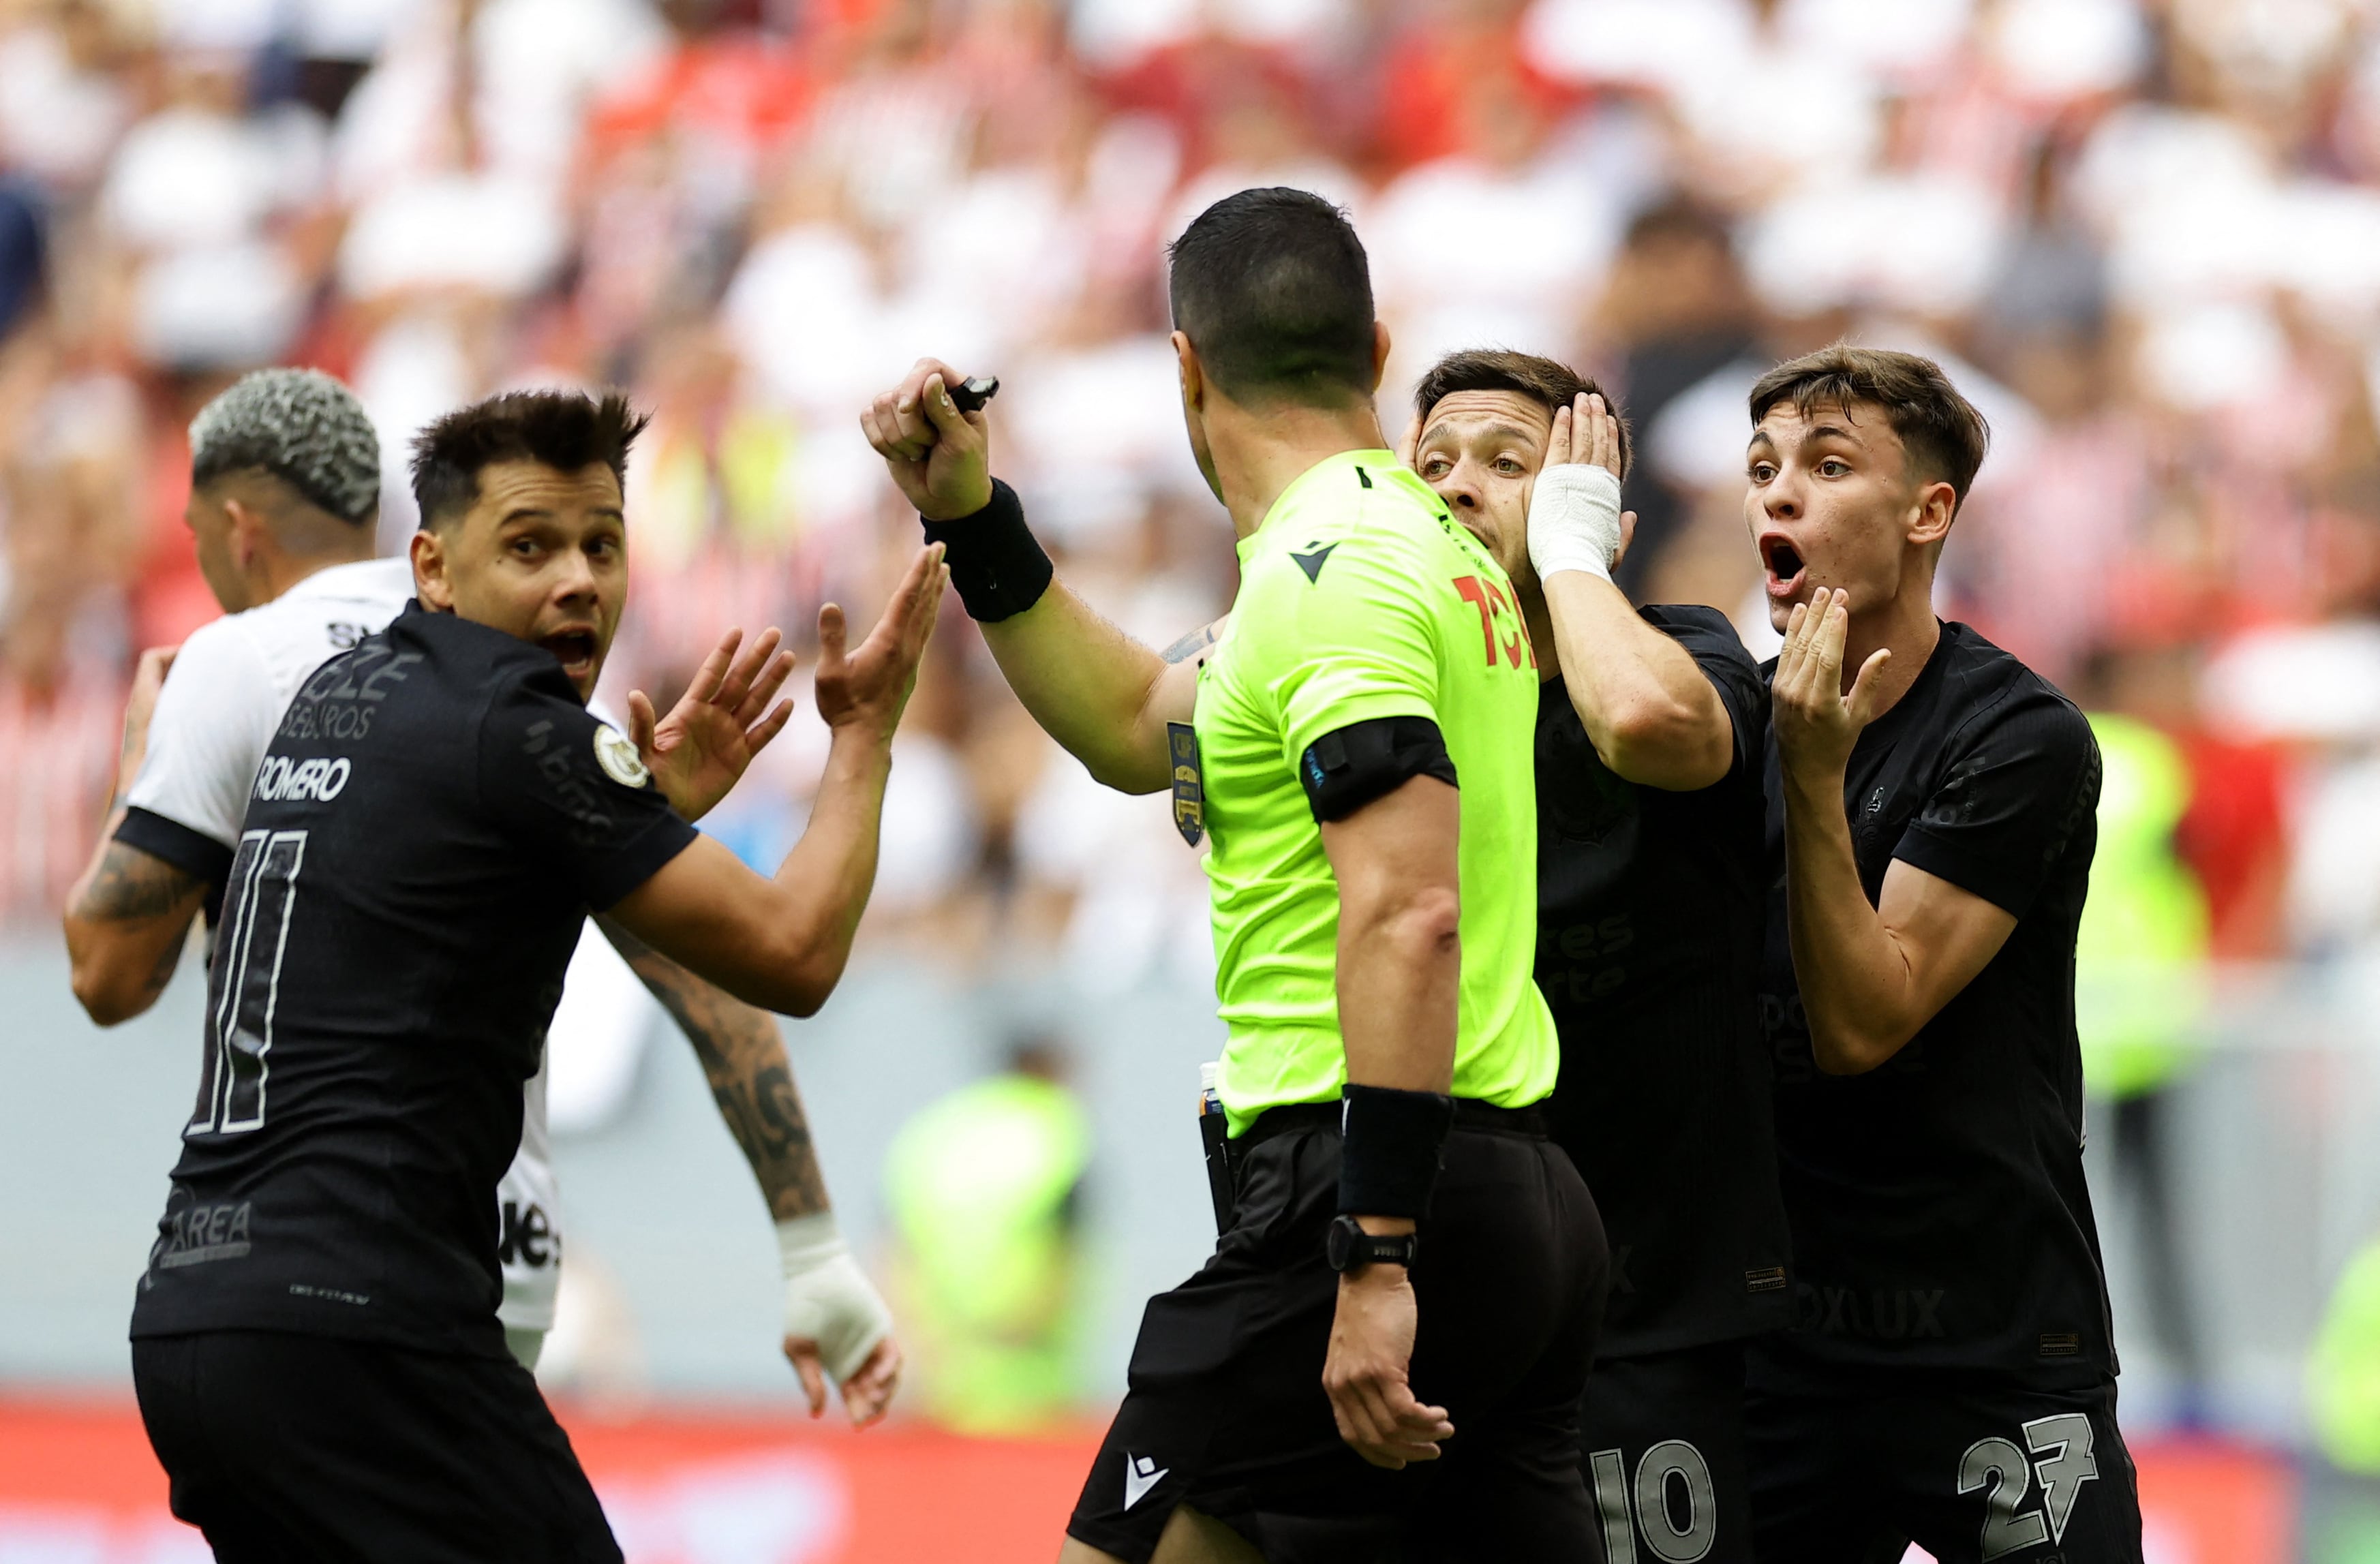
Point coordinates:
[(939, 456), (1371, 1344)]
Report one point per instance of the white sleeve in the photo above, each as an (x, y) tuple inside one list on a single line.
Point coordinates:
[(214, 719)]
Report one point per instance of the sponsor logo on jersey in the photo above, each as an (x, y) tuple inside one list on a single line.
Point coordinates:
[(281, 780), (528, 1238), (196, 1234), (619, 757), (1881, 1314)]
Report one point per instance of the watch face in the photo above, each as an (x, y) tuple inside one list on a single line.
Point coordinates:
[(1340, 1246)]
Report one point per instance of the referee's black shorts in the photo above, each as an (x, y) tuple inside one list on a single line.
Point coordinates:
[(1225, 1410), (286, 1449)]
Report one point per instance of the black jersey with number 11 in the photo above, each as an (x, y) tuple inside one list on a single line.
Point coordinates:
[(434, 818)]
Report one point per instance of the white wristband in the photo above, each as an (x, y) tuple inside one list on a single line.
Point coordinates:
[(827, 1298), (1574, 520)]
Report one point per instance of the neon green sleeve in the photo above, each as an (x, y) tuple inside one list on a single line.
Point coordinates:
[(1359, 641)]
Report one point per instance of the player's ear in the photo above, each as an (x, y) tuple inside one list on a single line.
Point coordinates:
[(1193, 374), (430, 580), (246, 535), (1379, 354), (1936, 502)]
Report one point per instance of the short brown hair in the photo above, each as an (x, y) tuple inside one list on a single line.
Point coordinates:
[(1550, 385), (564, 429), (1941, 431)]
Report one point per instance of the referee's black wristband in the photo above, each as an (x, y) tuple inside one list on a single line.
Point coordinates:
[(1388, 1162), (996, 565)]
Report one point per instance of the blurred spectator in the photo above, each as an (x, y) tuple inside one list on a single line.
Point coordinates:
[(1677, 310), (2141, 990), (2342, 1386), (2145, 237), (983, 1186)]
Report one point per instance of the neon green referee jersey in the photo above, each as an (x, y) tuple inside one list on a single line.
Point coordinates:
[(1360, 597)]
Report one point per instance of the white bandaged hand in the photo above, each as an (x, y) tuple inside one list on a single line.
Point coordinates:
[(829, 1299), (1574, 519)]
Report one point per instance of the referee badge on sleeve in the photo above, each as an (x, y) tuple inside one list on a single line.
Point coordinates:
[(1189, 787), (619, 757)]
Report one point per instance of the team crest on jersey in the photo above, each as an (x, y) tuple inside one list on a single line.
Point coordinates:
[(619, 757), (1189, 782)]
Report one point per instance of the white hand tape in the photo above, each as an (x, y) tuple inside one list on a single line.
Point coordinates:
[(1574, 520), (827, 1298)]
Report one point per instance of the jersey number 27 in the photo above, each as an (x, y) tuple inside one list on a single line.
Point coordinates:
[(247, 980)]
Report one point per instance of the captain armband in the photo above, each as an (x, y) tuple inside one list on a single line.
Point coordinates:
[(1349, 767), (1390, 1141), (997, 566)]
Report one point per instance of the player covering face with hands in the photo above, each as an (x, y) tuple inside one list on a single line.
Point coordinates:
[(436, 815), (1650, 912)]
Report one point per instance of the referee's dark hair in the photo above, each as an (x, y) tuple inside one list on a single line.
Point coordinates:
[(1551, 386), (1273, 290), (1943, 435), (563, 429)]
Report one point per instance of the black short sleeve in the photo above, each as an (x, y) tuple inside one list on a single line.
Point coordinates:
[(1719, 651), (573, 792), (194, 853), (2017, 783)]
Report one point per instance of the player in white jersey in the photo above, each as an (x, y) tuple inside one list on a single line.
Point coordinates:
[(285, 492)]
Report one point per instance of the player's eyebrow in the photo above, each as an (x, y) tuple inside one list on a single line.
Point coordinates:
[(1511, 432), (1819, 434), (540, 513)]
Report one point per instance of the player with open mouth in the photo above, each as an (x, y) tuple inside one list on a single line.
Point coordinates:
[(1930, 836)]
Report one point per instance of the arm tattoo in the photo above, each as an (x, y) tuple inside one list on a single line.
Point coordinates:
[(131, 886), (743, 1056), (1193, 643)]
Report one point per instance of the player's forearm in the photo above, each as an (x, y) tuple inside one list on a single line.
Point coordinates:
[(126, 919), (1400, 982), (1089, 686), (1857, 986), (742, 1055), (832, 870), (1650, 713)]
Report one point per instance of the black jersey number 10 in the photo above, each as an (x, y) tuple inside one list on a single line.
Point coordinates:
[(246, 981)]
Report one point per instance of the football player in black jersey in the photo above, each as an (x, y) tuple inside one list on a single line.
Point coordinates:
[(1952, 1380), (315, 1342), (1650, 908)]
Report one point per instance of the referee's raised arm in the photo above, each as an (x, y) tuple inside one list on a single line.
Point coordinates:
[(1101, 695), (1355, 739)]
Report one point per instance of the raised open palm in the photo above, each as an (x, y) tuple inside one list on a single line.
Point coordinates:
[(723, 719), (870, 687)]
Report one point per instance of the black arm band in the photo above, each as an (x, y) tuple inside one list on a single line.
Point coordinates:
[(1388, 1157), (997, 566), (1348, 768)]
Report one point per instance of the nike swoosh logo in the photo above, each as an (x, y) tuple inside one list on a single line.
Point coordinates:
[(1140, 1475), (1312, 563)]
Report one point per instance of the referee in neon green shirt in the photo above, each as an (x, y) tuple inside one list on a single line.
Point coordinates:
[(1384, 1357)]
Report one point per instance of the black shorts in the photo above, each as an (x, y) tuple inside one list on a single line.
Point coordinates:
[(1969, 1474), (1662, 1439), (1226, 1411), (286, 1448)]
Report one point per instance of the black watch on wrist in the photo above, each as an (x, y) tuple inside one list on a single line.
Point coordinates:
[(1350, 1248)]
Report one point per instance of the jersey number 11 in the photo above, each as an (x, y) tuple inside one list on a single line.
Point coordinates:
[(246, 981)]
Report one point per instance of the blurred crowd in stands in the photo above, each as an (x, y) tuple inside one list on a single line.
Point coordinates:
[(2144, 234)]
